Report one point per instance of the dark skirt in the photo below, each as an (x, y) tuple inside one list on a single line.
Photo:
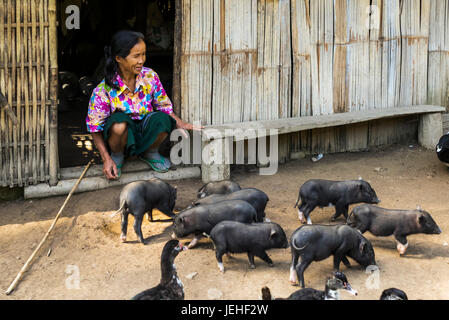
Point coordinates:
[(141, 133)]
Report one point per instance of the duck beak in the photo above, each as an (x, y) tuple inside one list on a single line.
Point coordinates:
[(350, 290), (182, 247)]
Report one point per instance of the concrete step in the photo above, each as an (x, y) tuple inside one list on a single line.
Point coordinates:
[(95, 180)]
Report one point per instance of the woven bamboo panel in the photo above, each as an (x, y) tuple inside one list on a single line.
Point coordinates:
[(438, 81), (235, 60), (196, 60), (274, 59), (24, 81)]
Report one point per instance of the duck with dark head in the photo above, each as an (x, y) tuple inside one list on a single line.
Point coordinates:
[(170, 287), (393, 294), (331, 291)]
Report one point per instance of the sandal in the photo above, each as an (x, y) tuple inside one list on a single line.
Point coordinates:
[(156, 164), (119, 170)]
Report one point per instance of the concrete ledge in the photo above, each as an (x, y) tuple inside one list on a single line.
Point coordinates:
[(92, 183), (97, 170), (262, 128)]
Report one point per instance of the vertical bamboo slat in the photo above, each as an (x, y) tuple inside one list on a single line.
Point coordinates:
[(46, 76), (177, 45), (20, 79), (285, 76), (3, 72), (34, 121), (375, 56), (42, 94), (11, 84), (438, 75), (340, 93), (25, 127), (53, 148)]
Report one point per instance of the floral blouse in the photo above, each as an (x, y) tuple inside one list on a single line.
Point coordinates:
[(149, 95)]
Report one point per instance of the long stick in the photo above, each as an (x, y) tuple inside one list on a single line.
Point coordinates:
[(25, 267)]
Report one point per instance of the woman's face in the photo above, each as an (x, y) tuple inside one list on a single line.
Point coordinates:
[(133, 63)]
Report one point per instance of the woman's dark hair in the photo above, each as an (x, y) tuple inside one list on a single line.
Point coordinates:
[(121, 44)]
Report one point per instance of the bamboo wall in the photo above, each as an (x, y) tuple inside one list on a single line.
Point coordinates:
[(270, 59), (24, 80)]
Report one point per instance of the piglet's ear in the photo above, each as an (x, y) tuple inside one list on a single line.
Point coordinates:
[(420, 219), (360, 188), (361, 246), (272, 234), (418, 207)]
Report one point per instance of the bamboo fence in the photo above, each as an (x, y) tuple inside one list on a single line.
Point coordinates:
[(25, 50)]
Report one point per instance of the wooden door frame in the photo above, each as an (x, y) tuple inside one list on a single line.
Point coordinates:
[(177, 52), (53, 148)]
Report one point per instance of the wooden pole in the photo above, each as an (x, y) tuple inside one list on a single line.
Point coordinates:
[(53, 44), (177, 52), (25, 267)]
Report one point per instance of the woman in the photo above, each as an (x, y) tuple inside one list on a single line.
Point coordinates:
[(129, 112)]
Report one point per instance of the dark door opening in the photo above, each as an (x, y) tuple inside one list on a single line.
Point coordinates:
[(81, 61)]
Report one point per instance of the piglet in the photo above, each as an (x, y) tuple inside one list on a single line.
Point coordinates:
[(255, 197), (140, 197), (254, 238), (202, 219), (322, 193), (385, 222), (317, 242), (219, 187)]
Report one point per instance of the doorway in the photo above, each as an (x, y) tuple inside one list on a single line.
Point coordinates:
[(81, 61)]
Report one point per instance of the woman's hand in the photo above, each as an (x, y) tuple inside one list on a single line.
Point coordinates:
[(187, 126), (180, 124), (110, 169)]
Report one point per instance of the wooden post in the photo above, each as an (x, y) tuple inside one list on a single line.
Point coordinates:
[(54, 159), (215, 165), (430, 130), (177, 52)]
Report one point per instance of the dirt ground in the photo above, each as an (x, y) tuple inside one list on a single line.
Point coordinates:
[(86, 238)]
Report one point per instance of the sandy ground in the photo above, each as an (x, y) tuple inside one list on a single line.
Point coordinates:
[(86, 240)]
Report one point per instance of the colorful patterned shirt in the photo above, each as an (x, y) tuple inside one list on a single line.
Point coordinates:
[(105, 100)]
